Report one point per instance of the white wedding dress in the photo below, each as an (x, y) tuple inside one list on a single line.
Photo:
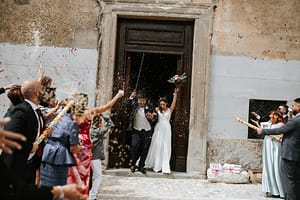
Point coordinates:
[(159, 153)]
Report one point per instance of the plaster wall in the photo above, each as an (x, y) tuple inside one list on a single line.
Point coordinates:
[(236, 79), (72, 70), (233, 81)]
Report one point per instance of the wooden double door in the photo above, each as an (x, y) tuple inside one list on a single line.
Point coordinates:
[(149, 52)]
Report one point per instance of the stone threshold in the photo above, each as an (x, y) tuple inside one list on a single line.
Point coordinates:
[(173, 175)]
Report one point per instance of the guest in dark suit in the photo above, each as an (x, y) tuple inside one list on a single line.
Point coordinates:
[(142, 118), (284, 110), (290, 152), (26, 121)]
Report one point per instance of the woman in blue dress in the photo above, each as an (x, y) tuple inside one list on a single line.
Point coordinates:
[(271, 182), (57, 154)]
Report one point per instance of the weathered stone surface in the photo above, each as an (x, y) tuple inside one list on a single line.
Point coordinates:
[(225, 177), (247, 153), (252, 28), (258, 28), (44, 22)]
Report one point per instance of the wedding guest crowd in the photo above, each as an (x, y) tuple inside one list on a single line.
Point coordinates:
[(61, 167), (67, 155), (290, 152), (17, 163), (65, 159)]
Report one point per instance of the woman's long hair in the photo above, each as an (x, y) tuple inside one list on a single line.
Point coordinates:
[(162, 99), (279, 117)]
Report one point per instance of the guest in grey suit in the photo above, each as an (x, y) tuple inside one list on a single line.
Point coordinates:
[(290, 152)]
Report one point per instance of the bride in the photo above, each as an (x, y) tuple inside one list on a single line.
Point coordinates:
[(159, 153)]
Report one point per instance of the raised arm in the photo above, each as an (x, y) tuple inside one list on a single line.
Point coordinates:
[(101, 109), (51, 112), (173, 105), (41, 73)]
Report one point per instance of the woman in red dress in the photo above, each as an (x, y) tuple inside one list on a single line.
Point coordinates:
[(80, 174)]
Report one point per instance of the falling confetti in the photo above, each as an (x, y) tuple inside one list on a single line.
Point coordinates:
[(73, 50)]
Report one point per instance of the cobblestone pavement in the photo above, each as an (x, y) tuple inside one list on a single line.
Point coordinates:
[(125, 185)]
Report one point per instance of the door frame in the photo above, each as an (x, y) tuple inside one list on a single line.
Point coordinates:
[(160, 41), (202, 15)]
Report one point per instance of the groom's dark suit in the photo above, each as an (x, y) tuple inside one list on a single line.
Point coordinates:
[(140, 139), (24, 121), (290, 153)]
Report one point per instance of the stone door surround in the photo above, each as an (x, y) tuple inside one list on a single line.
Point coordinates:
[(202, 16)]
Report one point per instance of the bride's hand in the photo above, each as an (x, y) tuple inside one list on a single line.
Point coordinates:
[(176, 90)]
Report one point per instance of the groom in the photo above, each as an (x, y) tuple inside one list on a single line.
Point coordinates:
[(142, 118)]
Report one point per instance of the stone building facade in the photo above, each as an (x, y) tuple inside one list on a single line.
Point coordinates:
[(240, 50)]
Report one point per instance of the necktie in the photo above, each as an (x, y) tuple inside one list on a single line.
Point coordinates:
[(40, 118), (39, 151)]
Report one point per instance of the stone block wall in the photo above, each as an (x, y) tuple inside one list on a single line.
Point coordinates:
[(247, 153), (260, 29), (59, 23)]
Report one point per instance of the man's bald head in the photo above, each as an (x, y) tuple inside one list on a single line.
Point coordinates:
[(31, 90)]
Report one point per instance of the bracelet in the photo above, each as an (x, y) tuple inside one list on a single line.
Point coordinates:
[(61, 193)]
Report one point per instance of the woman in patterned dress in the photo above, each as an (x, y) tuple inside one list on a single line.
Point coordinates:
[(80, 173)]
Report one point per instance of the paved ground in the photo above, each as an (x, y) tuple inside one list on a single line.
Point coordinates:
[(122, 184)]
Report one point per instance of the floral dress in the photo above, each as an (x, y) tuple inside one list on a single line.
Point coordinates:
[(80, 174)]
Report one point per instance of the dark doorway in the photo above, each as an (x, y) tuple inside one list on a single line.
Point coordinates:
[(155, 70), (263, 109), (166, 49)]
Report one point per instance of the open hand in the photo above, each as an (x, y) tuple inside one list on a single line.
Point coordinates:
[(259, 130), (7, 138), (121, 93)]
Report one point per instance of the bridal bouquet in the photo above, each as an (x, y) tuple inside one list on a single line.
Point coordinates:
[(178, 80)]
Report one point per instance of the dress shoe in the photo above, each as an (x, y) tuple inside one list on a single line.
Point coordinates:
[(268, 194), (143, 170), (132, 169)]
